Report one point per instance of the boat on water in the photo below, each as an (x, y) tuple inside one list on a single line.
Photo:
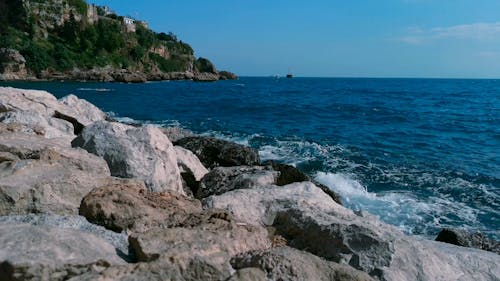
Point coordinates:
[(289, 75)]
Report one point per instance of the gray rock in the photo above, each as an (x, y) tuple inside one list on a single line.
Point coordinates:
[(311, 221), (127, 205), (144, 153), (286, 263), (175, 133), (223, 179), (35, 252), (84, 111), (213, 152), (12, 65), (465, 239), (46, 178), (254, 274), (206, 77), (189, 163), (77, 223)]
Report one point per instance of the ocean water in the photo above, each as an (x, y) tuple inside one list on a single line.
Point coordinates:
[(422, 154)]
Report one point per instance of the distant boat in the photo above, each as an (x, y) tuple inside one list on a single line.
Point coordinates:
[(289, 75)]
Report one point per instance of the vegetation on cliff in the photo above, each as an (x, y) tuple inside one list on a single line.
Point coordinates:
[(55, 36)]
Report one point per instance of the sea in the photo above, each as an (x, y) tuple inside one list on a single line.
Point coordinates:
[(421, 154)]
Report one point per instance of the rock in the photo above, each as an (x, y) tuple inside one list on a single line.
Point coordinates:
[(36, 124), (465, 239), (95, 74), (47, 178), (245, 274), (226, 75), (289, 174), (204, 65), (206, 77), (175, 133), (213, 152), (12, 65), (76, 111), (127, 76), (76, 223), (213, 242), (127, 205), (29, 251), (260, 206), (27, 146), (285, 263), (144, 153), (311, 221), (223, 179), (86, 112), (189, 163)]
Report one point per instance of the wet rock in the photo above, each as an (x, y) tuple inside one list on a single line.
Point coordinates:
[(289, 174), (465, 239), (214, 152), (223, 179), (128, 205), (47, 178), (144, 153), (33, 251), (286, 263)]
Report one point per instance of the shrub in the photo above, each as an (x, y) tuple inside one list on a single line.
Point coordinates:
[(36, 57)]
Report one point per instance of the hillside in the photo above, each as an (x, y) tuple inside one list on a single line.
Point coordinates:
[(70, 39)]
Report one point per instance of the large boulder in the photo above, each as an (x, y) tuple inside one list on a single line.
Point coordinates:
[(192, 171), (466, 239), (46, 253), (313, 222), (44, 177), (214, 152), (285, 263), (144, 153), (72, 109), (223, 179), (128, 205)]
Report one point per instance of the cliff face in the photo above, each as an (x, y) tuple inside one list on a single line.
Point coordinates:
[(69, 39)]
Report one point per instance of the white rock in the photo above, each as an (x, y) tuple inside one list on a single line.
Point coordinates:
[(84, 111), (189, 163), (144, 153)]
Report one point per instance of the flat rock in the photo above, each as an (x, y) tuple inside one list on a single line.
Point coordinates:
[(214, 152), (144, 153), (29, 251), (176, 133), (223, 179), (466, 239), (46, 178), (128, 205), (285, 263), (36, 124)]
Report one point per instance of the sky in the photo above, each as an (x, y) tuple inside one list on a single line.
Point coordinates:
[(333, 38)]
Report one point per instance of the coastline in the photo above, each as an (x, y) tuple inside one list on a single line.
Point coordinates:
[(210, 189)]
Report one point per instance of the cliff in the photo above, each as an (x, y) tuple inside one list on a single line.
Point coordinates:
[(69, 39)]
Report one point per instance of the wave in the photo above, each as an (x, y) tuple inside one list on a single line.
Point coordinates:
[(95, 89)]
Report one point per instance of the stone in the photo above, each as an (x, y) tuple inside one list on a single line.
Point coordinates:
[(12, 65), (127, 76), (214, 242), (76, 223), (289, 174), (46, 178), (465, 239), (213, 152), (254, 274), (34, 251), (143, 153), (85, 112), (226, 75), (206, 77), (189, 163), (285, 263), (128, 205), (311, 221), (36, 124), (223, 179), (176, 133)]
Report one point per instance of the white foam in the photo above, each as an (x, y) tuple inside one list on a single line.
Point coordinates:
[(95, 89)]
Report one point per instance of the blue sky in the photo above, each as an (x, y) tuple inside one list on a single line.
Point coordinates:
[(334, 38)]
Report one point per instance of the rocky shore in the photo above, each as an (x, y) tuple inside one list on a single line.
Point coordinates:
[(85, 198)]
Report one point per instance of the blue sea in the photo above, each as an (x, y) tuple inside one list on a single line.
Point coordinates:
[(421, 154)]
